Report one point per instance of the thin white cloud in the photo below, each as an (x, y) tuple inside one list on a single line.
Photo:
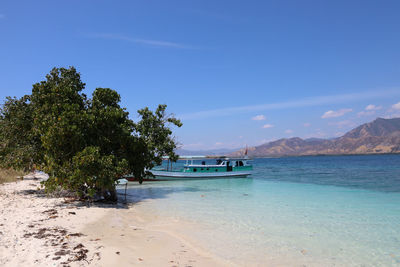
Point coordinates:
[(369, 110), (335, 114), (288, 131), (299, 103), (307, 124), (343, 124), (259, 118), (266, 126), (372, 107), (159, 43), (193, 146), (396, 106), (317, 134), (156, 43), (366, 113), (392, 116), (219, 143), (338, 134)]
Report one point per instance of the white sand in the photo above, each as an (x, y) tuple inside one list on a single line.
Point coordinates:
[(37, 230)]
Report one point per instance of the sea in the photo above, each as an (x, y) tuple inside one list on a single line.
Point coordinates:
[(292, 211)]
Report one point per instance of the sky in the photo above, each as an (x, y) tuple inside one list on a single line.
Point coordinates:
[(236, 73)]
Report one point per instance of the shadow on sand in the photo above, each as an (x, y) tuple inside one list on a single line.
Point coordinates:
[(138, 193), (134, 195)]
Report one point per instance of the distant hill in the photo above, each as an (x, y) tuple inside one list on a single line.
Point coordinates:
[(378, 136)]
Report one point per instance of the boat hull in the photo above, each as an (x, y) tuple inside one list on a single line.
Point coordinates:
[(168, 175)]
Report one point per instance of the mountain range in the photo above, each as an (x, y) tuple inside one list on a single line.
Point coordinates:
[(376, 137)]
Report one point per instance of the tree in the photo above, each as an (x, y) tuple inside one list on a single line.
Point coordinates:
[(155, 138), (20, 147), (86, 144)]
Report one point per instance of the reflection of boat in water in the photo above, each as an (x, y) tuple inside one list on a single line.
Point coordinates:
[(196, 168)]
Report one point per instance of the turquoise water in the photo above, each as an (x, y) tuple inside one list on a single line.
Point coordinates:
[(313, 211)]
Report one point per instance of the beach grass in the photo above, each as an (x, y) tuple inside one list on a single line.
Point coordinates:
[(10, 175)]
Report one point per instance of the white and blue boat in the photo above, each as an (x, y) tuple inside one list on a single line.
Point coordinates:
[(197, 168)]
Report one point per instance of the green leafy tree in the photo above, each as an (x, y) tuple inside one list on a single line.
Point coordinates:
[(155, 137), (20, 147), (84, 144)]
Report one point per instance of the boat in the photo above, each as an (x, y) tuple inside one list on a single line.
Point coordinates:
[(196, 168)]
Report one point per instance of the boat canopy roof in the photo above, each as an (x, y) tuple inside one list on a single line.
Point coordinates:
[(208, 157), (187, 157)]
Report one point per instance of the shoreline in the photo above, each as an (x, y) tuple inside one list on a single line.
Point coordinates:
[(142, 237), (40, 230)]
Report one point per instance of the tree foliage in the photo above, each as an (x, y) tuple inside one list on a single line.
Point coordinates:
[(84, 144), (20, 146)]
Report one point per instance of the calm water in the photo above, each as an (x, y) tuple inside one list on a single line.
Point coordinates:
[(314, 211)]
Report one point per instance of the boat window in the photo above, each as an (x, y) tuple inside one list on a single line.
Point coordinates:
[(240, 163), (194, 170), (208, 169), (203, 163), (202, 169), (216, 170)]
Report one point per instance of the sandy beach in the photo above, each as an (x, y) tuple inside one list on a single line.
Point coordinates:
[(43, 231)]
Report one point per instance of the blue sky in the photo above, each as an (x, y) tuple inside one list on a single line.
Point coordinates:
[(235, 72)]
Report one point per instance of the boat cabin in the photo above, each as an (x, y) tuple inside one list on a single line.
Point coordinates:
[(221, 165)]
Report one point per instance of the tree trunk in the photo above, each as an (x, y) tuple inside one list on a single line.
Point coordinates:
[(113, 195), (110, 195)]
